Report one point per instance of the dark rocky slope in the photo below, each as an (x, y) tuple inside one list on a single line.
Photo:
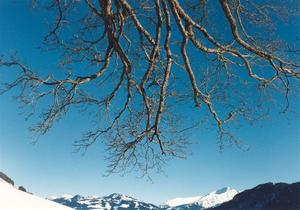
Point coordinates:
[(267, 196)]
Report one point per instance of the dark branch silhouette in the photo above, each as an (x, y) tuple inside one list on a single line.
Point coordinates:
[(137, 50)]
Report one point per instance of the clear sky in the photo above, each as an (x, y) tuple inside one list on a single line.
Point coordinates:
[(51, 168)]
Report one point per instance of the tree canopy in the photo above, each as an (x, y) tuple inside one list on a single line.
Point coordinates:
[(153, 71)]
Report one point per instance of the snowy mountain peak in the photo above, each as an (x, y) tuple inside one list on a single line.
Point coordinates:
[(210, 200), (217, 197), (118, 196), (112, 201)]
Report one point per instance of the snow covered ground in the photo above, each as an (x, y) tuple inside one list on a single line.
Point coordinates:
[(14, 199)]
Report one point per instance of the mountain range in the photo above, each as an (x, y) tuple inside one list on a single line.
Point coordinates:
[(269, 196), (119, 201), (113, 201)]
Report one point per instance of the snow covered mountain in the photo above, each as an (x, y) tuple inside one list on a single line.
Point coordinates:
[(269, 196), (113, 201), (119, 201), (14, 199), (202, 202)]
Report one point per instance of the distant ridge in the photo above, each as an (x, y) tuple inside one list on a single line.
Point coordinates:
[(269, 196), (210, 200), (113, 201), (119, 201)]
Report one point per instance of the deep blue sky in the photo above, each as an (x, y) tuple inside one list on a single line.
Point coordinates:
[(51, 168)]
